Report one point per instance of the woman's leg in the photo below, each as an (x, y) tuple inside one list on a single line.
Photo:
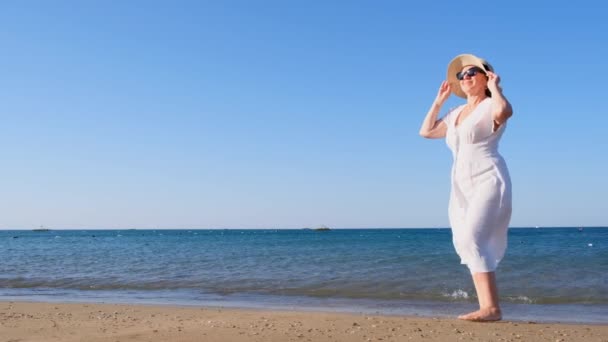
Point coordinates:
[(487, 293)]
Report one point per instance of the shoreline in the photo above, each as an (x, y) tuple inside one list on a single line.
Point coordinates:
[(516, 312), (37, 321)]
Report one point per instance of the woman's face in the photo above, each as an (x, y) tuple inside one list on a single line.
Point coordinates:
[(473, 80)]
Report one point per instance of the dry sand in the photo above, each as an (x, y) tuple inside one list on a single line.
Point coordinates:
[(23, 321)]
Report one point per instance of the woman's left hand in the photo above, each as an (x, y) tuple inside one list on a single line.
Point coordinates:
[(493, 80)]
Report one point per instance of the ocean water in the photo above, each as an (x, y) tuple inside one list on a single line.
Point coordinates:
[(548, 274)]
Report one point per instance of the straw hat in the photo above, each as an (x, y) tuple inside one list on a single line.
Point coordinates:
[(458, 63)]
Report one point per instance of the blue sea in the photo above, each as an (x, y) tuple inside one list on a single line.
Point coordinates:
[(548, 274)]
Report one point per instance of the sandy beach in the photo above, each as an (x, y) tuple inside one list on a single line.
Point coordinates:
[(25, 321)]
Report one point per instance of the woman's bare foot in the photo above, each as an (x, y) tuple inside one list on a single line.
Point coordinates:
[(483, 315)]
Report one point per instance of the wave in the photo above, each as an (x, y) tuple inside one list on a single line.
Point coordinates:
[(457, 294), (315, 291)]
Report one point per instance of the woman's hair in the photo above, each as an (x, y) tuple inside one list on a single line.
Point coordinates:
[(487, 67)]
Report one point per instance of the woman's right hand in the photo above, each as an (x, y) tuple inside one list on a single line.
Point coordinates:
[(431, 127), (444, 92)]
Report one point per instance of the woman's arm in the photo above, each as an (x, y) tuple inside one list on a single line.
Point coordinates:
[(501, 108), (431, 127)]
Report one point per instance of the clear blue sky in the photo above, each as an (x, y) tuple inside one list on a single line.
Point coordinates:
[(287, 114)]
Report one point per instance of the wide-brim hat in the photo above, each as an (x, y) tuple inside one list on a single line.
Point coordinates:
[(460, 62)]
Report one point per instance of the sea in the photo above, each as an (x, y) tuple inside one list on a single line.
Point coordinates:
[(547, 275)]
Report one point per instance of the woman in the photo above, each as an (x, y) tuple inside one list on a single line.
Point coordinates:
[(480, 199)]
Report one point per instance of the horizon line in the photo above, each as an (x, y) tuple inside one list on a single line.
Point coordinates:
[(300, 228)]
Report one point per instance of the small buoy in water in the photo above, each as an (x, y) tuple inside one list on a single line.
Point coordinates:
[(590, 244)]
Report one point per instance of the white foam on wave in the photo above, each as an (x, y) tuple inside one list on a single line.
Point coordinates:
[(524, 299), (457, 294)]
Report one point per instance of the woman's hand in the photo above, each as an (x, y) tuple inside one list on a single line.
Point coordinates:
[(501, 107), (493, 82), (444, 92), (431, 127)]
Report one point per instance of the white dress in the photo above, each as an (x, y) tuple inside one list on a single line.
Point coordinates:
[(480, 199)]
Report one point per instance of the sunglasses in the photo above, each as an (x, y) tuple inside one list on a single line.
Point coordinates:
[(470, 72)]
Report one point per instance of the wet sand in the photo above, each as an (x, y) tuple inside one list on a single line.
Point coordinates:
[(25, 321)]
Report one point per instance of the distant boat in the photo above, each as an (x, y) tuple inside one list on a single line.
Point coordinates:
[(580, 229), (322, 228), (41, 229)]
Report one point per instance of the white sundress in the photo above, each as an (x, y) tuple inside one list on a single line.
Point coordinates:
[(480, 199)]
